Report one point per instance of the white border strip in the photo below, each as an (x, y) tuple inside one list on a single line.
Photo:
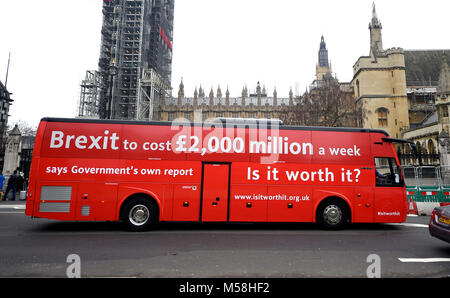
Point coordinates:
[(12, 206), (406, 224), (423, 260)]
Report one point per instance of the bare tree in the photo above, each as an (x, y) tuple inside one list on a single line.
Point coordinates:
[(326, 105), (25, 128)]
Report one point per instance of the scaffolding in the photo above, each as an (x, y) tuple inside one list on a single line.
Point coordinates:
[(89, 97), (107, 53), (132, 41), (128, 53), (153, 89)]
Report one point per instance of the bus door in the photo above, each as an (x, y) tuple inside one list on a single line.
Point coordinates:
[(215, 191), (389, 190)]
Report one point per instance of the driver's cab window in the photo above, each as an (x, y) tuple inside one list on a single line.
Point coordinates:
[(387, 172)]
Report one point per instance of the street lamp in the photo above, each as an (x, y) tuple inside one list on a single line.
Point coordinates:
[(113, 71)]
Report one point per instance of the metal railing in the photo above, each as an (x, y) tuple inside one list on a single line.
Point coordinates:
[(427, 183)]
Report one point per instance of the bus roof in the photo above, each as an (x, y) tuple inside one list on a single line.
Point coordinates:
[(239, 122)]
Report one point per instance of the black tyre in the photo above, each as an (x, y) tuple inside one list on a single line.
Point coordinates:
[(333, 214), (140, 214)]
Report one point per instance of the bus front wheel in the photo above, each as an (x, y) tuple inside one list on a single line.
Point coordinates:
[(333, 214), (140, 214)]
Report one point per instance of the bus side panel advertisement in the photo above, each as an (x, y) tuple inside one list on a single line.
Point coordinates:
[(99, 170)]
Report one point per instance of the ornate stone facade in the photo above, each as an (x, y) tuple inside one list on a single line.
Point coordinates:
[(249, 105), (379, 83), (13, 149), (403, 92)]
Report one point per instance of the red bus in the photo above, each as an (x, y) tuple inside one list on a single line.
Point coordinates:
[(143, 173)]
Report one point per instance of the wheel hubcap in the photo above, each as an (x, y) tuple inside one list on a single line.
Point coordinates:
[(332, 214), (139, 215)]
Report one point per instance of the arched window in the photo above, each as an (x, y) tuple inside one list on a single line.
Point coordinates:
[(431, 147), (382, 117), (357, 88), (423, 147), (408, 149)]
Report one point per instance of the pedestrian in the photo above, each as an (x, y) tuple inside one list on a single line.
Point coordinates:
[(2, 181), (20, 181), (12, 185)]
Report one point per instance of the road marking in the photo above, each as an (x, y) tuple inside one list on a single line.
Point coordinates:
[(12, 206), (415, 225), (424, 260), (12, 209)]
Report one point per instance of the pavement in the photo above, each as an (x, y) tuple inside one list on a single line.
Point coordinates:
[(13, 201)]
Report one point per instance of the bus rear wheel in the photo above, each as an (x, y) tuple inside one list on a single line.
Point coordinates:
[(140, 214), (332, 214)]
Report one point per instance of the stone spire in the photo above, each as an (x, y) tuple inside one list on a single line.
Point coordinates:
[(323, 67), (291, 97), (181, 90), (244, 92), (244, 95), (375, 22), (258, 93), (219, 92), (258, 88), (275, 100), (211, 97), (195, 97), (323, 53), (180, 93), (201, 92), (376, 41)]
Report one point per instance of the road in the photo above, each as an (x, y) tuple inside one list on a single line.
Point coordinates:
[(40, 248)]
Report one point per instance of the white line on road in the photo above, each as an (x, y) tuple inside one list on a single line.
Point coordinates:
[(424, 260), (415, 225), (12, 206), (12, 209)]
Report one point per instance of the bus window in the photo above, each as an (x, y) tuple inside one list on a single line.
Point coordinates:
[(387, 172)]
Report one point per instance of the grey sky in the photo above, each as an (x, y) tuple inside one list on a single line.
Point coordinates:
[(231, 43)]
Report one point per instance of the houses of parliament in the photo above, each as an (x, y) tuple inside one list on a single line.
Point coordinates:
[(404, 92)]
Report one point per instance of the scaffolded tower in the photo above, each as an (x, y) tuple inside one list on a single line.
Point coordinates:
[(153, 90), (136, 39), (89, 97)]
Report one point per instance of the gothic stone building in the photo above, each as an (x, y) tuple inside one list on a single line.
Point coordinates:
[(429, 105), (397, 90), (379, 84), (400, 91), (249, 105)]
